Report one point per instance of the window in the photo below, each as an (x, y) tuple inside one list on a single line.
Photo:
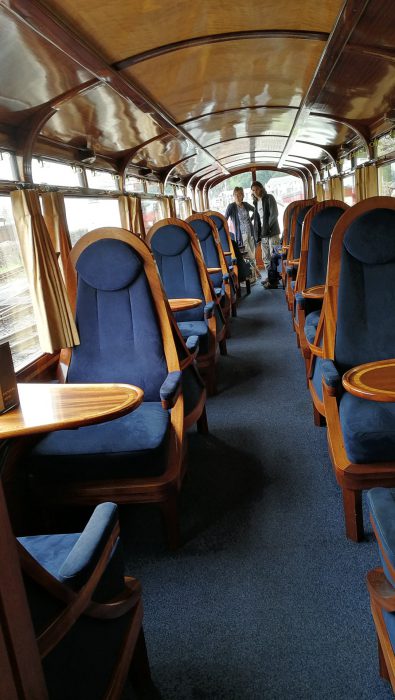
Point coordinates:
[(51, 173), (153, 211), (153, 187), (101, 180), (345, 164), (326, 186), (134, 184), (17, 323), (360, 156), (87, 213), (349, 194), (183, 208), (385, 144), (6, 166), (386, 175), (169, 190)]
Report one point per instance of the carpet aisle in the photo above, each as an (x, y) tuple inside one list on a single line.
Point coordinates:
[(266, 599)]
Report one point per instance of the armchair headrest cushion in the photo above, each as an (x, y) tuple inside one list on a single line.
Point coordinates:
[(371, 238), (109, 265), (324, 222), (201, 228), (170, 240)]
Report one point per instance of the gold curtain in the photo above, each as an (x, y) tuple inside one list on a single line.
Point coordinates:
[(56, 222), (366, 182), (131, 214), (320, 192), (55, 322), (170, 210), (189, 206), (336, 188)]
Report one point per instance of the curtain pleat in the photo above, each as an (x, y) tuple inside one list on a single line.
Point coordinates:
[(320, 192), (366, 182), (54, 318), (131, 214), (56, 222), (336, 188)]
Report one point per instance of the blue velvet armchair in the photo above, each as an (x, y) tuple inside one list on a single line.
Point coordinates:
[(86, 615), (358, 328), (226, 243), (183, 274), (127, 335), (381, 580)]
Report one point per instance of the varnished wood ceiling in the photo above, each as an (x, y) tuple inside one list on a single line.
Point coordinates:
[(183, 86)]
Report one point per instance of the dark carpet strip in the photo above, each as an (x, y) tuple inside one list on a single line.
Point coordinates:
[(266, 598)]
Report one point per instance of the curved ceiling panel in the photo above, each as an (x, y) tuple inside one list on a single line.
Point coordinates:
[(194, 164), (256, 156), (306, 150), (213, 77), (259, 143), (324, 131), (163, 152), (112, 26), (112, 124), (241, 122), (30, 74)]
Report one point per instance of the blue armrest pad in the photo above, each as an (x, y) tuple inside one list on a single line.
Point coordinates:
[(218, 291), (226, 277), (209, 309), (310, 331), (81, 561), (234, 261), (192, 342), (171, 387), (289, 269), (230, 268), (330, 374), (300, 300)]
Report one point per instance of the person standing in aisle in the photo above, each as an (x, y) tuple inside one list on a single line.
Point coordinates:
[(239, 214), (266, 227)]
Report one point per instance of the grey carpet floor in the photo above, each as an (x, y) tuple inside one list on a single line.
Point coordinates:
[(266, 598)]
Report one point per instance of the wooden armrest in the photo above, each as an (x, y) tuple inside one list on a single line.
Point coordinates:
[(315, 350), (293, 261), (380, 589), (214, 269)]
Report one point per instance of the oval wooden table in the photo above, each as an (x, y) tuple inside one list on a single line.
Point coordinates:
[(374, 381), (48, 407), (184, 304), (316, 292)]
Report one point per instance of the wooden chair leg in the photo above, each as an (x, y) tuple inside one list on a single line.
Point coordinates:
[(171, 520), (202, 424), (383, 670), (140, 672), (319, 420), (352, 504), (222, 347)]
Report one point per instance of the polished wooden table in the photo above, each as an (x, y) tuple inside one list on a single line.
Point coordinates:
[(374, 381), (184, 304), (48, 407), (316, 292)]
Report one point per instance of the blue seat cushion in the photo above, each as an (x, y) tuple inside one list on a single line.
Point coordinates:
[(368, 429), (311, 324), (317, 377), (131, 446), (381, 503), (198, 328)]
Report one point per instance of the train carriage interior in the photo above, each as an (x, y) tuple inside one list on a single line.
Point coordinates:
[(197, 393)]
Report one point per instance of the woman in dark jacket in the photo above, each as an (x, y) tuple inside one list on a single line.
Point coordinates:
[(239, 213)]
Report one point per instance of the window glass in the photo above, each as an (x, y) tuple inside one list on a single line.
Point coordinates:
[(50, 172), (153, 211), (385, 144), (169, 190), (87, 213), (17, 323), (345, 164), (360, 156), (333, 170), (349, 194), (6, 172), (180, 191), (101, 180), (182, 208), (153, 187), (326, 186), (134, 184), (387, 180)]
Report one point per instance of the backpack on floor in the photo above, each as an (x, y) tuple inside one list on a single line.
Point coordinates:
[(273, 275)]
